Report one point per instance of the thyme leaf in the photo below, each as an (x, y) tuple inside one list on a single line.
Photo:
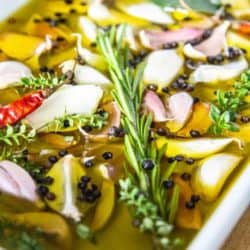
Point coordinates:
[(13, 137), (42, 81), (228, 104)]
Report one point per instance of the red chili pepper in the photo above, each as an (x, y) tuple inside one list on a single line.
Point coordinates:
[(243, 27), (17, 110)]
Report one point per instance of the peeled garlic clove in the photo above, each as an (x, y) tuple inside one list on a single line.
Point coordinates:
[(105, 206), (16, 181), (212, 74), (11, 73), (180, 106), (80, 99), (162, 66), (147, 11), (213, 172), (98, 11), (195, 148), (66, 173), (156, 39), (191, 52), (216, 42), (153, 103), (84, 74), (88, 28), (94, 60)]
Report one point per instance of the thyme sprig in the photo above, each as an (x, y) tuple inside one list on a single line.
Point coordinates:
[(96, 121), (228, 104), (19, 237), (12, 137), (128, 92), (42, 81)]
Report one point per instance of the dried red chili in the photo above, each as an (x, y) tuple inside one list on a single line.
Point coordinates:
[(17, 110)]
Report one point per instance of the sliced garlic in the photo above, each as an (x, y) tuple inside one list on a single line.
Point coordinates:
[(212, 74), (162, 67), (212, 173), (80, 99), (195, 148)]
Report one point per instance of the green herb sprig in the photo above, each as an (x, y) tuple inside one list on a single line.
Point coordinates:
[(19, 236), (12, 137), (96, 121), (128, 92), (228, 104), (42, 81)]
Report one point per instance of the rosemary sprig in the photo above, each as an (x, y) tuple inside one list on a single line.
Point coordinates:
[(12, 137), (228, 104), (42, 81), (140, 152)]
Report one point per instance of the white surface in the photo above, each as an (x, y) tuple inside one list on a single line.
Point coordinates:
[(8, 6), (222, 221)]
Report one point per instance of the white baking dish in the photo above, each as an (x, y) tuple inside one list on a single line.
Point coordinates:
[(231, 205)]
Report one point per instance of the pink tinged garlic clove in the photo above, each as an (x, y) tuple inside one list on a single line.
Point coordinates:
[(11, 73), (211, 46), (153, 103), (180, 106), (156, 39), (16, 181)]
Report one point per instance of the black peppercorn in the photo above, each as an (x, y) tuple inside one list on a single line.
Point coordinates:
[(62, 152), (107, 155), (194, 133), (190, 205), (85, 178), (148, 164), (172, 45), (82, 185), (171, 159), (195, 198), (66, 123), (190, 161), (196, 99), (42, 191), (88, 163), (207, 33), (186, 176), (48, 180), (168, 184), (52, 159), (179, 158), (245, 119), (165, 90), (50, 196)]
